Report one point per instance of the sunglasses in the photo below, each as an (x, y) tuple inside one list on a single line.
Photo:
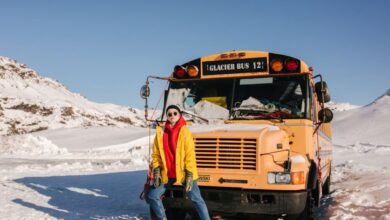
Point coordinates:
[(170, 114)]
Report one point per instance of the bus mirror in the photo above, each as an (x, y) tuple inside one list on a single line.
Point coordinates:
[(145, 91), (322, 91), (325, 115)]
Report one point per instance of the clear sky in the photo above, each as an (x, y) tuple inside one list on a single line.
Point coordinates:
[(105, 49)]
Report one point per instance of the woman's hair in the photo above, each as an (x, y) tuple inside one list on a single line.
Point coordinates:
[(174, 107)]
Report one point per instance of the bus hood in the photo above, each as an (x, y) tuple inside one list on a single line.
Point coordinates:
[(231, 127)]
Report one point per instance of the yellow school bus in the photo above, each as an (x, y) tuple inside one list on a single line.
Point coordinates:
[(263, 146)]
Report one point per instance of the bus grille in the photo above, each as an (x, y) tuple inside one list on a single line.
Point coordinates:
[(226, 153)]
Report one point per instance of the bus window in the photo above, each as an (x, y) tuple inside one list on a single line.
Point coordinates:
[(209, 99), (279, 98)]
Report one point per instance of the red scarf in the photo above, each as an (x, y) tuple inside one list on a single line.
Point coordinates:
[(170, 143)]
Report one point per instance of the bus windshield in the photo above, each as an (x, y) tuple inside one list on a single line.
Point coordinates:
[(243, 99)]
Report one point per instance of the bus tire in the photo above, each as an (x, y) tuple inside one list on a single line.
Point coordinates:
[(326, 186), (308, 212)]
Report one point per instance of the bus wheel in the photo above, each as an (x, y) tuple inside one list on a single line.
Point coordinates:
[(308, 212), (326, 187)]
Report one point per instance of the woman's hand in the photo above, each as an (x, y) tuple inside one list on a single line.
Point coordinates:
[(156, 177), (189, 181)]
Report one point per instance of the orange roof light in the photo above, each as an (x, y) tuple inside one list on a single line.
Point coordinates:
[(276, 65), (297, 178), (192, 71)]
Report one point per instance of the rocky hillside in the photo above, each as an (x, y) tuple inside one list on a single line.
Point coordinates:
[(30, 102)]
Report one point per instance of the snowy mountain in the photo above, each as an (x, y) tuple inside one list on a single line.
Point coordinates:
[(30, 102), (361, 162), (367, 124), (340, 107)]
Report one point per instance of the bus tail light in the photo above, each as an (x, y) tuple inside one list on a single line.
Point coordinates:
[(291, 65), (276, 65), (192, 71), (179, 71)]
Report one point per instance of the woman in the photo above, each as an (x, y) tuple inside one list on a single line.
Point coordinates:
[(174, 161)]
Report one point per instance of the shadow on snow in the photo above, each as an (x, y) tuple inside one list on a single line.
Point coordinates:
[(111, 195), (101, 196)]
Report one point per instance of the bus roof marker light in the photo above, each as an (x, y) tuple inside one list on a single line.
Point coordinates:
[(291, 65), (180, 72), (276, 65), (233, 55), (242, 54), (192, 71), (224, 56)]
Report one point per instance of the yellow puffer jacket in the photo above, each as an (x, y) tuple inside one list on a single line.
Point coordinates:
[(185, 155)]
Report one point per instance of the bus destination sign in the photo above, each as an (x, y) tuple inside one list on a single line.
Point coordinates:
[(235, 66)]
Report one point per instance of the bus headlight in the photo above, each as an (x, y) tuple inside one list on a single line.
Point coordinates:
[(279, 178), (294, 178)]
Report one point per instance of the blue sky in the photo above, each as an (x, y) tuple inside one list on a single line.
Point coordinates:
[(105, 49)]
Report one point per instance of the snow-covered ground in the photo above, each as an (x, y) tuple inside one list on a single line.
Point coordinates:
[(80, 173), (360, 184), (361, 175)]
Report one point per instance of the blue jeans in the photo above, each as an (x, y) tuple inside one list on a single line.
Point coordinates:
[(153, 198)]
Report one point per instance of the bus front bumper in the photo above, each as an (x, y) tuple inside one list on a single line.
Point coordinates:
[(230, 200)]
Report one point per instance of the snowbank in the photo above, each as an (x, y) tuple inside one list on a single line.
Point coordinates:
[(28, 146)]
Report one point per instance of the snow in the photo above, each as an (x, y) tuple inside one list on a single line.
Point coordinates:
[(93, 181), (209, 110), (28, 145), (340, 107), (366, 125), (360, 175)]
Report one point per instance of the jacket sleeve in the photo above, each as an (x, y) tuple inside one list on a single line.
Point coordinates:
[(190, 158), (156, 157)]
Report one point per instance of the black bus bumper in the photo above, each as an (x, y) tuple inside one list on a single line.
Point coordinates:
[(231, 200)]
